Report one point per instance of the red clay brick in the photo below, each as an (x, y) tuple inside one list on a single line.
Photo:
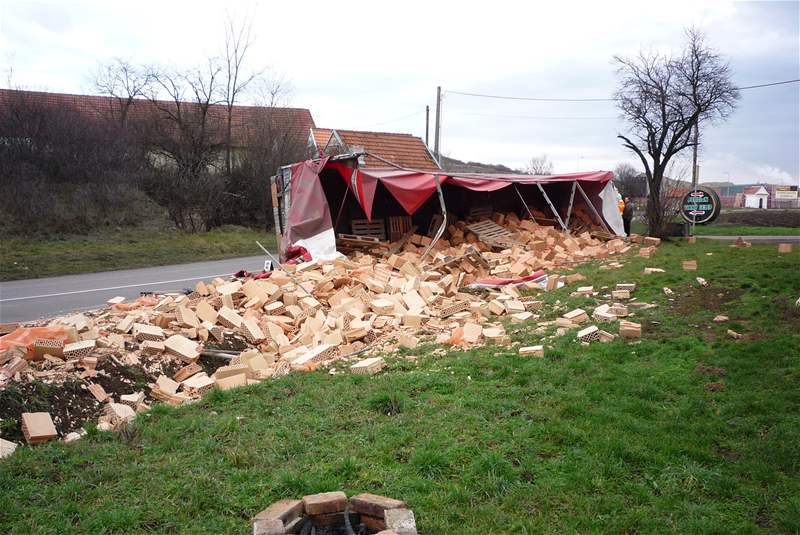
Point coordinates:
[(325, 502), (373, 504)]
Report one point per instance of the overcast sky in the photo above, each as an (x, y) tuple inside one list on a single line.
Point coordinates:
[(375, 65)]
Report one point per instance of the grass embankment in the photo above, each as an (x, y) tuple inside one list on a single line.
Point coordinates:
[(687, 431), (24, 258)]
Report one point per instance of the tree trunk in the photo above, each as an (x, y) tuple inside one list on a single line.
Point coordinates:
[(229, 141), (655, 209)]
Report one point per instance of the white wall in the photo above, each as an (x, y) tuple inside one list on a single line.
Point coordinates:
[(751, 201)]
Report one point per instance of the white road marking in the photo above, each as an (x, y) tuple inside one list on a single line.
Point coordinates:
[(112, 288)]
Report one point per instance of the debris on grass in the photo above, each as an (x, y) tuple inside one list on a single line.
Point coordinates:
[(227, 333), (733, 334)]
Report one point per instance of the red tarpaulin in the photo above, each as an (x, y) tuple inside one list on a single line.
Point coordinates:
[(308, 214), (412, 189), (309, 221)]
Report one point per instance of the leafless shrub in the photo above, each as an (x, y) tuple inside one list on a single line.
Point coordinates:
[(539, 165)]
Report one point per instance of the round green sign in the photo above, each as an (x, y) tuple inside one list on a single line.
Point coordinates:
[(700, 206)]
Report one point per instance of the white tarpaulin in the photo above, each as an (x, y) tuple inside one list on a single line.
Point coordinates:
[(608, 196)]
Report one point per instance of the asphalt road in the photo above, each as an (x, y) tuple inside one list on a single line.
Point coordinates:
[(758, 239), (33, 299)]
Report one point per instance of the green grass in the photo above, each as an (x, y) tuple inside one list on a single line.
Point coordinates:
[(611, 438), (127, 248)]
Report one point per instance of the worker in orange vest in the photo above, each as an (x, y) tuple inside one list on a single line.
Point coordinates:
[(627, 215)]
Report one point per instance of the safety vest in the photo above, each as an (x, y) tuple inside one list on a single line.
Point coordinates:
[(621, 206)]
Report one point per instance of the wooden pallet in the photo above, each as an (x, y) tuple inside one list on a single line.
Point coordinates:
[(398, 226), (351, 242), (478, 213), (492, 234), (374, 229)]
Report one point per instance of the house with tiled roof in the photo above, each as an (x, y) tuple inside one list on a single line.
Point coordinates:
[(756, 197), (404, 150), (245, 119)]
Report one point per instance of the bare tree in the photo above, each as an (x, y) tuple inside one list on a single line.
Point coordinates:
[(539, 165), (269, 141), (124, 83), (186, 135), (238, 40), (663, 98), (629, 181)]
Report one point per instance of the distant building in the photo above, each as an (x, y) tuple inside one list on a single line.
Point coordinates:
[(756, 197)]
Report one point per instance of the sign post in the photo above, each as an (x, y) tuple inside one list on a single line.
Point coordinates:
[(700, 206)]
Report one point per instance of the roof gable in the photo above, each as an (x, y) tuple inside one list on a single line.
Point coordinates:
[(756, 190), (404, 150)]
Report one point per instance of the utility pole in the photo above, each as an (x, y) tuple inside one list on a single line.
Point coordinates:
[(438, 128), (695, 170), (427, 123)]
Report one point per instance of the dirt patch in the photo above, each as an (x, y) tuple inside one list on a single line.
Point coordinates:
[(728, 454), (789, 311), (231, 342), (708, 298), (702, 369), (70, 403), (716, 386)]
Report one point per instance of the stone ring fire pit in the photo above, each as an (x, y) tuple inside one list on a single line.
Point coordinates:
[(331, 513)]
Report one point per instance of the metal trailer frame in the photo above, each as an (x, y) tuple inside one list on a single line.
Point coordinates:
[(552, 208), (524, 203), (444, 218), (594, 210), (571, 198)]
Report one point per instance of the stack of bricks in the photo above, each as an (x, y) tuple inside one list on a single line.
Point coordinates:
[(365, 512)]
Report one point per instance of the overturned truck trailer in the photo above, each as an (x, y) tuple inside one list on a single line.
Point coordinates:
[(319, 200)]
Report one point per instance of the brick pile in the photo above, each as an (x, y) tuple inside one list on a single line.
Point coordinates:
[(370, 512), (318, 314)]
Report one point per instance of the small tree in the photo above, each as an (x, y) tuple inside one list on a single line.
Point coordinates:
[(629, 181), (539, 165), (238, 40), (124, 83), (186, 136), (663, 99), (269, 141)]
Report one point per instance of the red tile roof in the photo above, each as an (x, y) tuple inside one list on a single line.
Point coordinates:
[(752, 190), (299, 120), (402, 149)]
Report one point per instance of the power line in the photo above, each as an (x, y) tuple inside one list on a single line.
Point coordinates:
[(540, 99), (769, 84), (529, 116), (504, 97)]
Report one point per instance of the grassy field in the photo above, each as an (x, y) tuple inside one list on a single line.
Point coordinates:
[(721, 229), (685, 431), (127, 248)]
